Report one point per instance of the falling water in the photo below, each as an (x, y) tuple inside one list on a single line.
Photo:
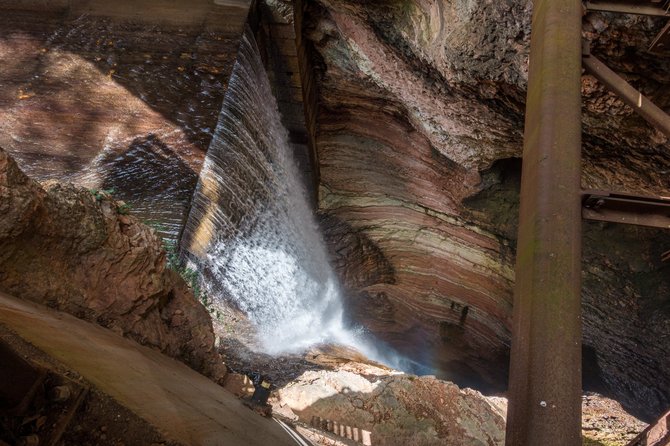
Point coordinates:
[(251, 228), (251, 231)]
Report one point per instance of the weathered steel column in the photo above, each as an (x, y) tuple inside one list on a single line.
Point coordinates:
[(633, 98), (545, 372)]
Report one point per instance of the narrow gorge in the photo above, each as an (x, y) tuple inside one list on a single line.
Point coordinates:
[(323, 195)]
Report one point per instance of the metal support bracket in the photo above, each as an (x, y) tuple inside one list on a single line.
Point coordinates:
[(633, 98), (658, 8), (662, 40), (617, 207)]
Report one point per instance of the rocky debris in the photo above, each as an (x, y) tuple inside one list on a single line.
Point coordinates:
[(394, 409), (239, 385), (79, 252), (604, 421), (327, 370)]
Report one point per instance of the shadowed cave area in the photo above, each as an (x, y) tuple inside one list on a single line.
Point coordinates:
[(623, 277)]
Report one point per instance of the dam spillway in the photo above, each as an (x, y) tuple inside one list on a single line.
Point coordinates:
[(121, 96)]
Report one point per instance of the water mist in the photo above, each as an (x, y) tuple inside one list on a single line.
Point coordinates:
[(252, 232)]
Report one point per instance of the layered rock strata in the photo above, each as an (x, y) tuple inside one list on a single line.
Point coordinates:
[(81, 253), (396, 150), (418, 134)]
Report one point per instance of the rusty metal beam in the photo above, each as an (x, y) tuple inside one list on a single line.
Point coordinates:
[(652, 8), (633, 98), (618, 207), (545, 368), (662, 40)]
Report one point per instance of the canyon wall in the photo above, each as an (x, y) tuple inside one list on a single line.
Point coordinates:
[(415, 118), (418, 135)]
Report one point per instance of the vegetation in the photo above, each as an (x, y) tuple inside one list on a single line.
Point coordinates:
[(99, 194), (124, 208), (190, 276)]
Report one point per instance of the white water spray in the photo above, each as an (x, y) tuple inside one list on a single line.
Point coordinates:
[(252, 232)]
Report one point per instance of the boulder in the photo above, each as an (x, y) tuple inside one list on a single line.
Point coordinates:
[(392, 409), (79, 252)]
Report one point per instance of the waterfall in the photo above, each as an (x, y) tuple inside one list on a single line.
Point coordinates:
[(251, 230)]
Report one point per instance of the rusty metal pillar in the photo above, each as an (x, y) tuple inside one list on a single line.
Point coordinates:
[(633, 98), (545, 370)]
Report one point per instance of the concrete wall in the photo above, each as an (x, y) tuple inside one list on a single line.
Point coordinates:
[(215, 14)]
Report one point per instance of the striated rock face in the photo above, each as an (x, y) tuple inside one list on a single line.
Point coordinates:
[(78, 252), (418, 139), (400, 140), (394, 409)]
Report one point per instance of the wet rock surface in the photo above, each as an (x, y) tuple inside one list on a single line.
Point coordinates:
[(82, 253)]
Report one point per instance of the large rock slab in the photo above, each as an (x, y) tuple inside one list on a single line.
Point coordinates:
[(393, 409), (183, 406), (81, 253)]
